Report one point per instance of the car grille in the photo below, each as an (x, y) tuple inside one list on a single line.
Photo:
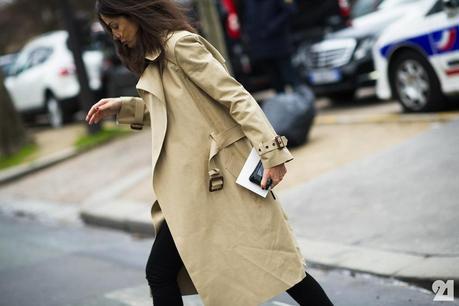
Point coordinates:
[(330, 53)]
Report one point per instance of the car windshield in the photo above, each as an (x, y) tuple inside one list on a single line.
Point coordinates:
[(363, 7)]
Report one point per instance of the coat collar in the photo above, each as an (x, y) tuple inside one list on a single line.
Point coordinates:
[(151, 81), (151, 56), (148, 79)]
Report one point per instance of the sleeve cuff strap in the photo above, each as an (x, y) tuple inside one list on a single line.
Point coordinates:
[(277, 142)]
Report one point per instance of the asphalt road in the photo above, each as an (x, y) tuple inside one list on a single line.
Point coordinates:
[(73, 265)]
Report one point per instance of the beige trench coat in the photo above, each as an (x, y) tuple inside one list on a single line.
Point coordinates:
[(237, 247)]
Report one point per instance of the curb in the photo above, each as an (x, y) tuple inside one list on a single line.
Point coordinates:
[(413, 267), (385, 118), (134, 218), (127, 225), (17, 172), (20, 171), (104, 208)]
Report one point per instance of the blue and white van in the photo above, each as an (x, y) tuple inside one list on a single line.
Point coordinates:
[(417, 58)]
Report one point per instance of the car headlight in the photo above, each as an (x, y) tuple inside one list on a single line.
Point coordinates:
[(364, 47)]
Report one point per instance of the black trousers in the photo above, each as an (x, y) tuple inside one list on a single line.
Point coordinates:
[(164, 264)]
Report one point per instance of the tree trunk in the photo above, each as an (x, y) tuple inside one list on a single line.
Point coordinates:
[(13, 135), (75, 41)]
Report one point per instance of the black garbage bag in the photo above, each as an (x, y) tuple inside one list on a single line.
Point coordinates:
[(292, 114)]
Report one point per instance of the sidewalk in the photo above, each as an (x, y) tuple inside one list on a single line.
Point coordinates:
[(392, 210), (395, 213)]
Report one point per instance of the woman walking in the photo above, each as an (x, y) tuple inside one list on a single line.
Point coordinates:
[(213, 237)]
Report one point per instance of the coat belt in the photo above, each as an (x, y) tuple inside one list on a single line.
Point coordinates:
[(219, 141)]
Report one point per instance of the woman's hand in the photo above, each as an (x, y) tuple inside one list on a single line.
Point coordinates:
[(103, 108), (276, 174)]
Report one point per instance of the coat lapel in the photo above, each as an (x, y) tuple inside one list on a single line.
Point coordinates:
[(150, 87), (151, 82)]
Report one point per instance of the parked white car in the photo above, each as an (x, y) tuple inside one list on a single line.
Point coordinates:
[(417, 58), (43, 78)]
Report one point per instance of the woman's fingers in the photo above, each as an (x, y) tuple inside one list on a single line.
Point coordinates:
[(265, 178), (276, 174), (98, 115), (275, 181), (92, 111), (95, 117), (95, 107), (100, 110)]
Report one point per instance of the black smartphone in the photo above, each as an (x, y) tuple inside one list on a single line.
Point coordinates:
[(257, 175)]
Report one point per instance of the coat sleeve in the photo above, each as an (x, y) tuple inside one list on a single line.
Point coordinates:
[(204, 70), (133, 111)]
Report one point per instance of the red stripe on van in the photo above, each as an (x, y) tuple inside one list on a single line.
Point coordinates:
[(453, 71)]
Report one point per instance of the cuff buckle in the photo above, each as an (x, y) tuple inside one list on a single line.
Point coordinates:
[(136, 126), (279, 142)]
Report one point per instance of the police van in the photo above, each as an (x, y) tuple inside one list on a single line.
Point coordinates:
[(417, 58)]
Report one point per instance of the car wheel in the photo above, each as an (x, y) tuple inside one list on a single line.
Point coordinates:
[(55, 112), (415, 84)]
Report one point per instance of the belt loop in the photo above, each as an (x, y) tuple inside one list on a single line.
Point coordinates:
[(215, 177)]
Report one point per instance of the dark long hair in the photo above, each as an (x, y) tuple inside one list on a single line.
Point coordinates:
[(156, 19)]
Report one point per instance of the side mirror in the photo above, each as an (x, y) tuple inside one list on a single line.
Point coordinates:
[(451, 7)]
